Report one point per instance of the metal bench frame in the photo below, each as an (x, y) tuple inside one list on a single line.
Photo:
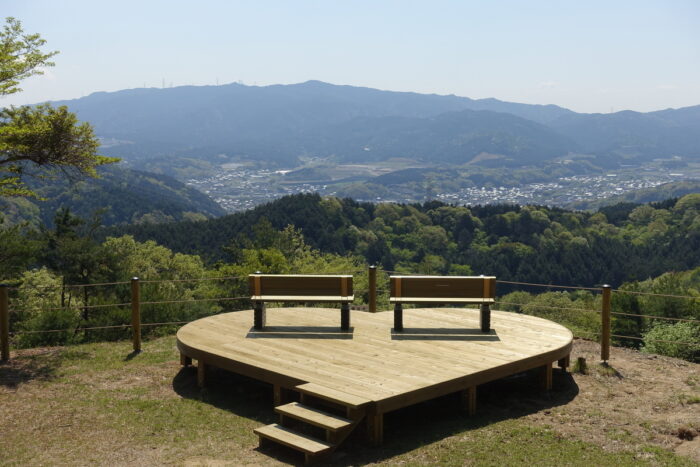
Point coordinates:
[(457, 290), (300, 288)]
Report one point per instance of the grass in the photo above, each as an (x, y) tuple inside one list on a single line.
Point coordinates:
[(102, 404), (688, 399), (580, 366), (509, 443), (604, 369)]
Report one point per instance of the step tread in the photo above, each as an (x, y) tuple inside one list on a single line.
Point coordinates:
[(313, 416), (333, 395), (292, 439)]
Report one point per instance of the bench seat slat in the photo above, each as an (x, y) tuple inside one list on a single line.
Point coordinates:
[(302, 298), (441, 300)]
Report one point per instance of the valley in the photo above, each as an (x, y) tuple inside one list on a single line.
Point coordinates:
[(240, 186)]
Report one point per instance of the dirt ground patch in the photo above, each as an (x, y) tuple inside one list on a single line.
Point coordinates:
[(89, 405), (644, 399)]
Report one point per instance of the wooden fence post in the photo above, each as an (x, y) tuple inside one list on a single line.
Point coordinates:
[(136, 313), (605, 324), (4, 324), (373, 289)]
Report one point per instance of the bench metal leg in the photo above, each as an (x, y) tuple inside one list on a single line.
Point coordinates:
[(345, 316), (398, 317), (485, 317), (259, 312)]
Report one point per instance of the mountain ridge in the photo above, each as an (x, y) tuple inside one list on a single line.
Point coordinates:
[(280, 124)]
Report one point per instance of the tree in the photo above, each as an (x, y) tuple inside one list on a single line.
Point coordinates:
[(39, 137), (18, 248)]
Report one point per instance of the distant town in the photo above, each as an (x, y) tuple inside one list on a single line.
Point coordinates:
[(237, 188)]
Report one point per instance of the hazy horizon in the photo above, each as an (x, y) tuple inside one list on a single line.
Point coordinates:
[(596, 57), (338, 84)]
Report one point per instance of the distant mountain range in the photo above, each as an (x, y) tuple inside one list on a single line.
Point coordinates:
[(281, 123)]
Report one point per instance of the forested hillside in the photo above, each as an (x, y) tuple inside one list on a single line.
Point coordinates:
[(531, 243), (630, 246), (120, 196)]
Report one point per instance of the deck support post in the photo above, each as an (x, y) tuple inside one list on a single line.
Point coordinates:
[(345, 316), (375, 429), (547, 376), (279, 395), (185, 360), (398, 317), (564, 363), (468, 397), (259, 318), (485, 317), (201, 373)]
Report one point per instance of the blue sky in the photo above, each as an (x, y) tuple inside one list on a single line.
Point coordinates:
[(593, 56)]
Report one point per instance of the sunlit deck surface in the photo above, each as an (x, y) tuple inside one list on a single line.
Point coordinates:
[(440, 351)]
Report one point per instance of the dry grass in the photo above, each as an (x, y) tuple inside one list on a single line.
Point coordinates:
[(99, 404)]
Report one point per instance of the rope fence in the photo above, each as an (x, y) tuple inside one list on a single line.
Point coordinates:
[(194, 300), (552, 286), (70, 307), (202, 279), (668, 318), (691, 344), (650, 294), (94, 328), (548, 306), (604, 335)]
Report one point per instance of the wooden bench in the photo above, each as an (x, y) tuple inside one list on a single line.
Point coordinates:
[(300, 288), (443, 290)]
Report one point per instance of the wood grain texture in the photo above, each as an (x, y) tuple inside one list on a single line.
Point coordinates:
[(443, 351), (289, 438), (314, 416), (442, 289), (300, 287)]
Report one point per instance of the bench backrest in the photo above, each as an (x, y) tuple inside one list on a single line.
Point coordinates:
[(443, 288), (304, 287)]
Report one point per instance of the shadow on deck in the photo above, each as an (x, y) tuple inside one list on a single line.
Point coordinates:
[(444, 334), (300, 332)]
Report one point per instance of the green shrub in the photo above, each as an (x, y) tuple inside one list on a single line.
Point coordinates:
[(686, 334), (61, 319), (514, 301)]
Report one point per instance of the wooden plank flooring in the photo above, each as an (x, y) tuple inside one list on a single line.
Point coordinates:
[(441, 350)]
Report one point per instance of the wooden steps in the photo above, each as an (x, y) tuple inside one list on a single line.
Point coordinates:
[(336, 428), (313, 416), (311, 447), (333, 395)]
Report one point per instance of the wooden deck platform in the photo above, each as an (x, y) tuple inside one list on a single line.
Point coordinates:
[(371, 367)]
